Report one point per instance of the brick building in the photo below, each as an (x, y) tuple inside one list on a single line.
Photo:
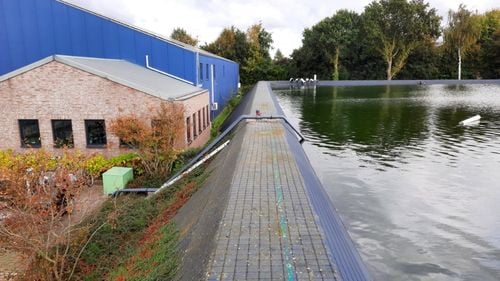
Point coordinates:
[(63, 99), (31, 30)]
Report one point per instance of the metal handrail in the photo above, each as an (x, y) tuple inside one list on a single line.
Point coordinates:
[(226, 132)]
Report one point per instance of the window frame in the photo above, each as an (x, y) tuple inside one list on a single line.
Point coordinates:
[(54, 138), (208, 116), (200, 128), (204, 119), (188, 130), (22, 137), (195, 133), (86, 121)]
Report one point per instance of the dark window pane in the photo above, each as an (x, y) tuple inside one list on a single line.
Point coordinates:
[(30, 133), (214, 72), (208, 116), (96, 132), (195, 133), (208, 71), (200, 129), (188, 129), (63, 133), (204, 119), (201, 71)]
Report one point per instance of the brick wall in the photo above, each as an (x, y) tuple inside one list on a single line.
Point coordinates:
[(59, 91), (195, 105)]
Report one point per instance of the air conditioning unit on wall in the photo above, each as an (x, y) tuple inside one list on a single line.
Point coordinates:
[(215, 106)]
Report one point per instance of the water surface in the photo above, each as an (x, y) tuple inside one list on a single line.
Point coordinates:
[(420, 194)]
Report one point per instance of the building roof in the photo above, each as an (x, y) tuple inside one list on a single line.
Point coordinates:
[(151, 33), (124, 73)]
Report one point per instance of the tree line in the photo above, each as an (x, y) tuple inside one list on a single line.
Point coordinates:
[(390, 39)]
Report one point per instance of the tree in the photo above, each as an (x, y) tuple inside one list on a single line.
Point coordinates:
[(278, 56), (462, 33), (422, 63), (156, 137), (281, 66), (231, 44), (260, 41), (345, 28), (336, 47), (486, 59), (181, 35), (332, 34), (251, 51), (397, 27), (258, 64)]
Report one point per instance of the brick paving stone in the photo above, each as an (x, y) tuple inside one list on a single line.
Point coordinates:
[(269, 230)]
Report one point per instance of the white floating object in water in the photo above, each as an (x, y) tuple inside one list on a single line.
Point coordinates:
[(473, 119)]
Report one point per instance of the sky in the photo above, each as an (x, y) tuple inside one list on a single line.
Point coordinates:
[(285, 19)]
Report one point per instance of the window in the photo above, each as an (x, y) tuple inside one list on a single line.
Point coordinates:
[(194, 126), (62, 131), (208, 70), (208, 116), (200, 129), (30, 133), (214, 71), (201, 71), (188, 129), (96, 133), (204, 119)]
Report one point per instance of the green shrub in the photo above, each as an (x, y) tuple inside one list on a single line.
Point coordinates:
[(126, 218), (6, 158), (184, 157), (124, 159), (156, 261), (97, 165), (224, 114)]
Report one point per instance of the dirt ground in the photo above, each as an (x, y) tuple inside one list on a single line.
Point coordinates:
[(13, 263)]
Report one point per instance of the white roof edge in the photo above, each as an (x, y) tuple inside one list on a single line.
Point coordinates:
[(26, 68), (151, 33), (188, 96)]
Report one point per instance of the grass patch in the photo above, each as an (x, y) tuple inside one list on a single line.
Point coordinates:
[(138, 240), (226, 112)]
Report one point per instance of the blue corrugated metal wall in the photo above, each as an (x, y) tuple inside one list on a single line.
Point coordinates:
[(226, 79), (31, 30)]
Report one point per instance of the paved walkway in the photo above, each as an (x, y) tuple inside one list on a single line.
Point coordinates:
[(269, 230), (263, 101)]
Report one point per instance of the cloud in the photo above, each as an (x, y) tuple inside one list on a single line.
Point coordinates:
[(285, 19)]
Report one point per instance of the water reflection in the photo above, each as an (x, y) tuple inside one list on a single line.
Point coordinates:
[(418, 192), (375, 121)]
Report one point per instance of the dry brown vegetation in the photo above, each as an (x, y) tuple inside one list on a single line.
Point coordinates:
[(38, 192), (156, 138)]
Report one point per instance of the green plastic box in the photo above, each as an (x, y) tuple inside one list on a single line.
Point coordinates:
[(116, 178)]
